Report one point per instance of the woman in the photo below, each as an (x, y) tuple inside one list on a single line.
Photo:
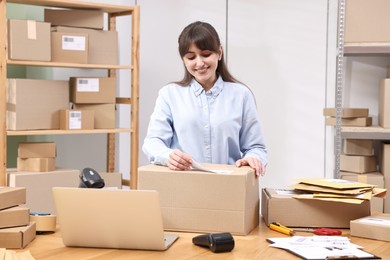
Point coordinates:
[(208, 116)]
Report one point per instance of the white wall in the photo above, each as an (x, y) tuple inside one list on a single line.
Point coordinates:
[(277, 47)]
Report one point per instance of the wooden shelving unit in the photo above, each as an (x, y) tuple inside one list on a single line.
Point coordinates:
[(113, 11)]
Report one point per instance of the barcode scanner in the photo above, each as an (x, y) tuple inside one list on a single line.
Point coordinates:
[(217, 243), (89, 178)]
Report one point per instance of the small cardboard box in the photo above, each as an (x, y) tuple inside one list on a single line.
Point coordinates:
[(373, 227), (358, 163), (347, 112), (39, 185), (205, 201), (36, 164), (102, 45), (14, 217), (92, 90), (384, 104), (77, 119), (27, 35), (356, 121), (375, 178), (279, 205), (37, 149), (17, 237), (93, 19), (69, 47), (365, 21), (34, 104), (12, 196), (104, 114), (358, 147)]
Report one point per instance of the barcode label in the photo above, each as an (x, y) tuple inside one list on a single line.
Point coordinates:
[(74, 119), (87, 85), (73, 43)]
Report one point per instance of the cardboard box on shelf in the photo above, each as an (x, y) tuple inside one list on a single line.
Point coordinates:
[(358, 163), (278, 205), (104, 114), (39, 185), (364, 21), (84, 90), (17, 237), (77, 119), (384, 104), (34, 104), (14, 217), (375, 178), (69, 47), (205, 201), (102, 45), (347, 112), (373, 227), (27, 35), (12, 196), (37, 149), (356, 121), (93, 19), (36, 164), (358, 147)]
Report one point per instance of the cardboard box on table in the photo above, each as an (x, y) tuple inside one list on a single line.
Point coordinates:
[(279, 205), (34, 104), (375, 178), (75, 18), (373, 227), (198, 201), (39, 185), (27, 35), (17, 237), (12, 196), (14, 217)]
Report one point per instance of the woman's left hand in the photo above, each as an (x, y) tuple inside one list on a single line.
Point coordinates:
[(254, 163)]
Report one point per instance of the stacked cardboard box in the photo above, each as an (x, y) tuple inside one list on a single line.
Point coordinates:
[(349, 117), (385, 169), (16, 230), (97, 95), (373, 227), (37, 156)]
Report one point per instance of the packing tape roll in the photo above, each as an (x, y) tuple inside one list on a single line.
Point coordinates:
[(44, 222)]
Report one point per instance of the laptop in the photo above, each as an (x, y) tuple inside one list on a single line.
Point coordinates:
[(111, 218)]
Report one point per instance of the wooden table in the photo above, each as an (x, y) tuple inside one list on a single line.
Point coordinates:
[(252, 246)]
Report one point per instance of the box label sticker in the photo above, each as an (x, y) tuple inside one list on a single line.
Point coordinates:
[(377, 221), (73, 43), (75, 120), (31, 30), (87, 85)]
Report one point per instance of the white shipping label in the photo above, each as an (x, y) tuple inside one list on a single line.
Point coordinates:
[(73, 43), (87, 85), (75, 120)]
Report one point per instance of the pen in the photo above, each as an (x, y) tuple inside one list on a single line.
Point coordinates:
[(282, 229)]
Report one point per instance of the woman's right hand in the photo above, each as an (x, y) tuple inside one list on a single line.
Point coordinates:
[(179, 161)]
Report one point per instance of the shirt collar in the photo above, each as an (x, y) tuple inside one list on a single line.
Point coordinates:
[(215, 90)]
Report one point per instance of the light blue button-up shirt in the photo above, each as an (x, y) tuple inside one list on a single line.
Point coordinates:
[(219, 126)]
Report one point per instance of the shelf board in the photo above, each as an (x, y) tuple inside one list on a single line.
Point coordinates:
[(368, 132), (76, 4), (66, 65), (374, 48), (67, 132)]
